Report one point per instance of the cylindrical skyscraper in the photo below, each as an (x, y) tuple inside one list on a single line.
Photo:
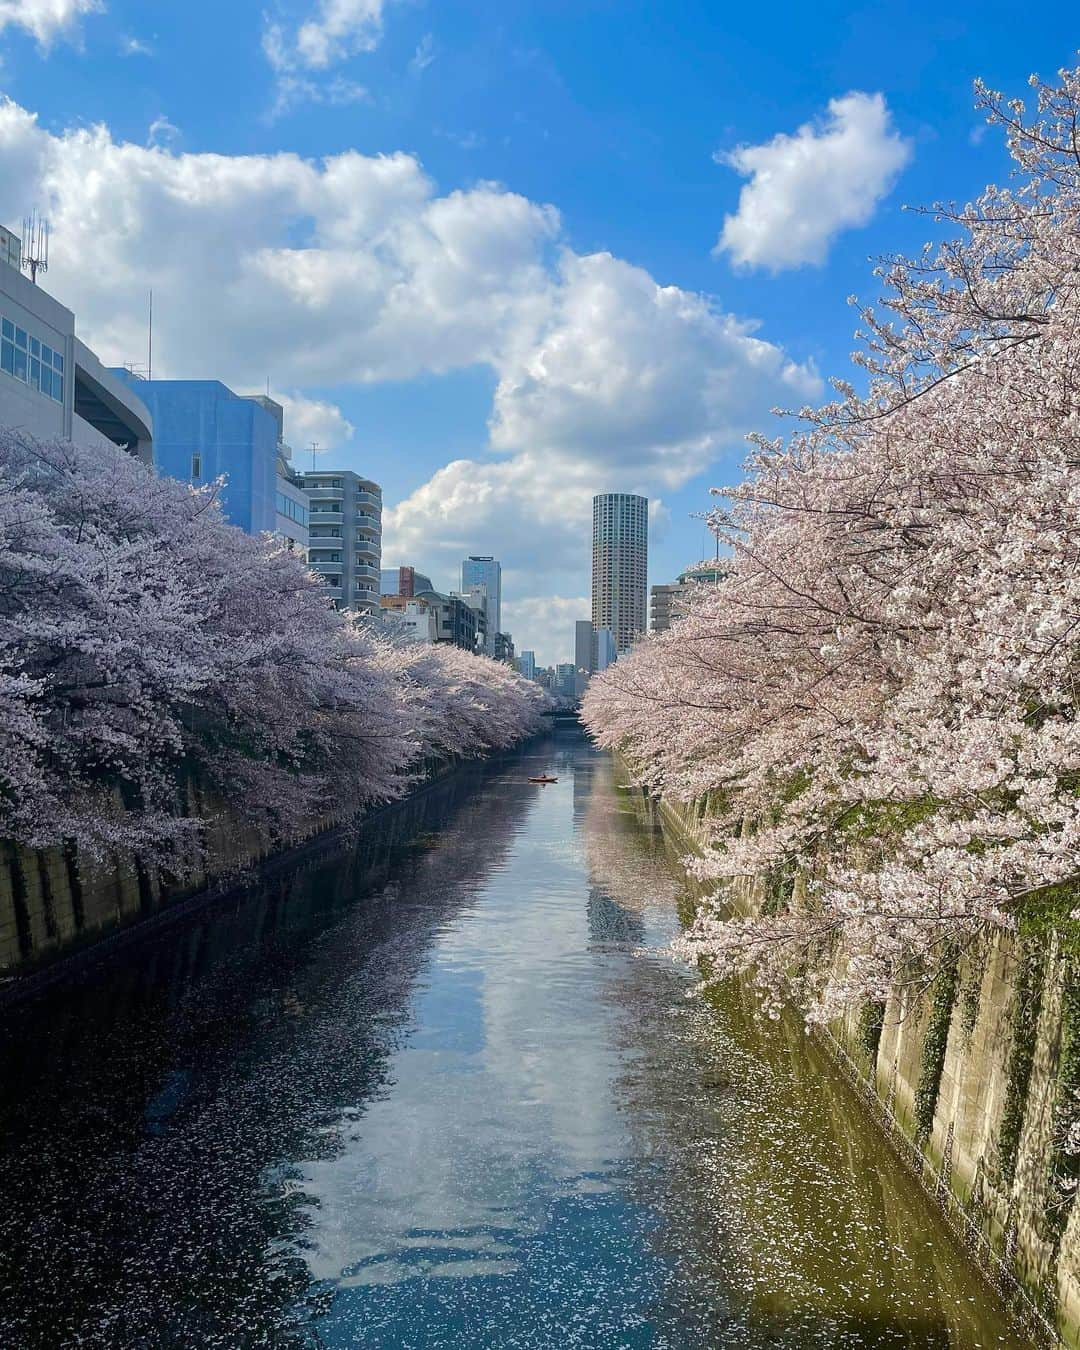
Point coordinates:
[(620, 563)]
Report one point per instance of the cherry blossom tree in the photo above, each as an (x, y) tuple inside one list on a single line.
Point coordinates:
[(880, 698), (144, 642)]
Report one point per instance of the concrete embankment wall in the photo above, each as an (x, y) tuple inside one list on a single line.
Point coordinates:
[(972, 1080), (54, 903)]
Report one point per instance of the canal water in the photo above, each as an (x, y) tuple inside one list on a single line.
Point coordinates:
[(445, 1088)]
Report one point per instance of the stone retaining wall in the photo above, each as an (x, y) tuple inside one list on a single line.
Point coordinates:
[(973, 1077)]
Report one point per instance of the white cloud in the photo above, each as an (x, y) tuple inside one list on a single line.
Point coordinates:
[(424, 54), (545, 624), (310, 420), (651, 380), (46, 20), (333, 93), (804, 189), (134, 46), (162, 132), (337, 30), (354, 270)]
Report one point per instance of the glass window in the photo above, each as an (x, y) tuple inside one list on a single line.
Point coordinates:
[(8, 330), (20, 364), (35, 348), (7, 356), (20, 338), (196, 465), (35, 373), (58, 362), (58, 387)]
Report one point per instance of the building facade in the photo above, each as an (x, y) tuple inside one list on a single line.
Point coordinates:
[(604, 652), (668, 602), (526, 664), (455, 619), (620, 566), (405, 581), (345, 536), (204, 431), (583, 646), (485, 571), (51, 384)]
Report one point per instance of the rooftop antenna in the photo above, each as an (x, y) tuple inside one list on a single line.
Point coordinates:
[(150, 340), (314, 451), (35, 245)]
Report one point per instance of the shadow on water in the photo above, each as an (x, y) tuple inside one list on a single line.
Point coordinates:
[(436, 1091)]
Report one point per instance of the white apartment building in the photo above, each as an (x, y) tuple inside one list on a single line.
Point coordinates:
[(345, 536)]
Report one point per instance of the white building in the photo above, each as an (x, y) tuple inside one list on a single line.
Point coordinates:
[(620, 566), (51, 384), (345, 536)]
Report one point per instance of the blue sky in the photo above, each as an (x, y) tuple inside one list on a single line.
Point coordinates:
[(473, 246)]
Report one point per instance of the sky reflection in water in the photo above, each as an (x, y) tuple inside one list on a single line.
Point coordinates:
[(430, 1096)]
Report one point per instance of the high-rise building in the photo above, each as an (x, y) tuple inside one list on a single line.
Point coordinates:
[(583, 646), (527, 665), (603, 652), (345, 536), (479, 570), (620, 566)]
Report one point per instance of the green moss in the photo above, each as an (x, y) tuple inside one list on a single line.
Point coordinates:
[(971, 985), (871, 1021), (1065, 1167), (779, 884), (934, 1044), (1027, 1000)]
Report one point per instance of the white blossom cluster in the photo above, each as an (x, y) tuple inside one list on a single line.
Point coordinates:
[(881, 697), (146, 643)]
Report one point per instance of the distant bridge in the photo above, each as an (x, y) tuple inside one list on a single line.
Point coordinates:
[(563, 717)]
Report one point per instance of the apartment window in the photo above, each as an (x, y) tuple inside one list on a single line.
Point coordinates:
[(31, 361), (196, 465)]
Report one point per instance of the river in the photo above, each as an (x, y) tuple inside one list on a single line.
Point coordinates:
[(444, 1088)]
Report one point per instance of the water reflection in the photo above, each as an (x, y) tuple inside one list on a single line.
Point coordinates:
[(424, 1094)]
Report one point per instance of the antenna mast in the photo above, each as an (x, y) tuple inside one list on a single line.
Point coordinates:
[(314, 452), (150, 340), (35, 245)]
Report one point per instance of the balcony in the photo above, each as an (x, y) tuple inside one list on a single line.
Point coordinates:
[(319, 494), (364, 572), (366, 548), (368, 499), (317, 517)]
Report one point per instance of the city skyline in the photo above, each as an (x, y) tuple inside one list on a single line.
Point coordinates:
[(653, 318)]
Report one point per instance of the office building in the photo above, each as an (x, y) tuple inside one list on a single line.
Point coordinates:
[(482, 570), (604, 652), (456, 620), (620, 566), (504, 648), (583, 646), (345, 536), (526, 664), (405, 581), (478, 598), (566, 680), (290, 500), (51, 383)]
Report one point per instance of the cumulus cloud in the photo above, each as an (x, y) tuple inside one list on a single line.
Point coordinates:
[(545, 624), (651, 379), (807, 187), (356, 269), (312, 420), (162, 131), (46, 20)]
